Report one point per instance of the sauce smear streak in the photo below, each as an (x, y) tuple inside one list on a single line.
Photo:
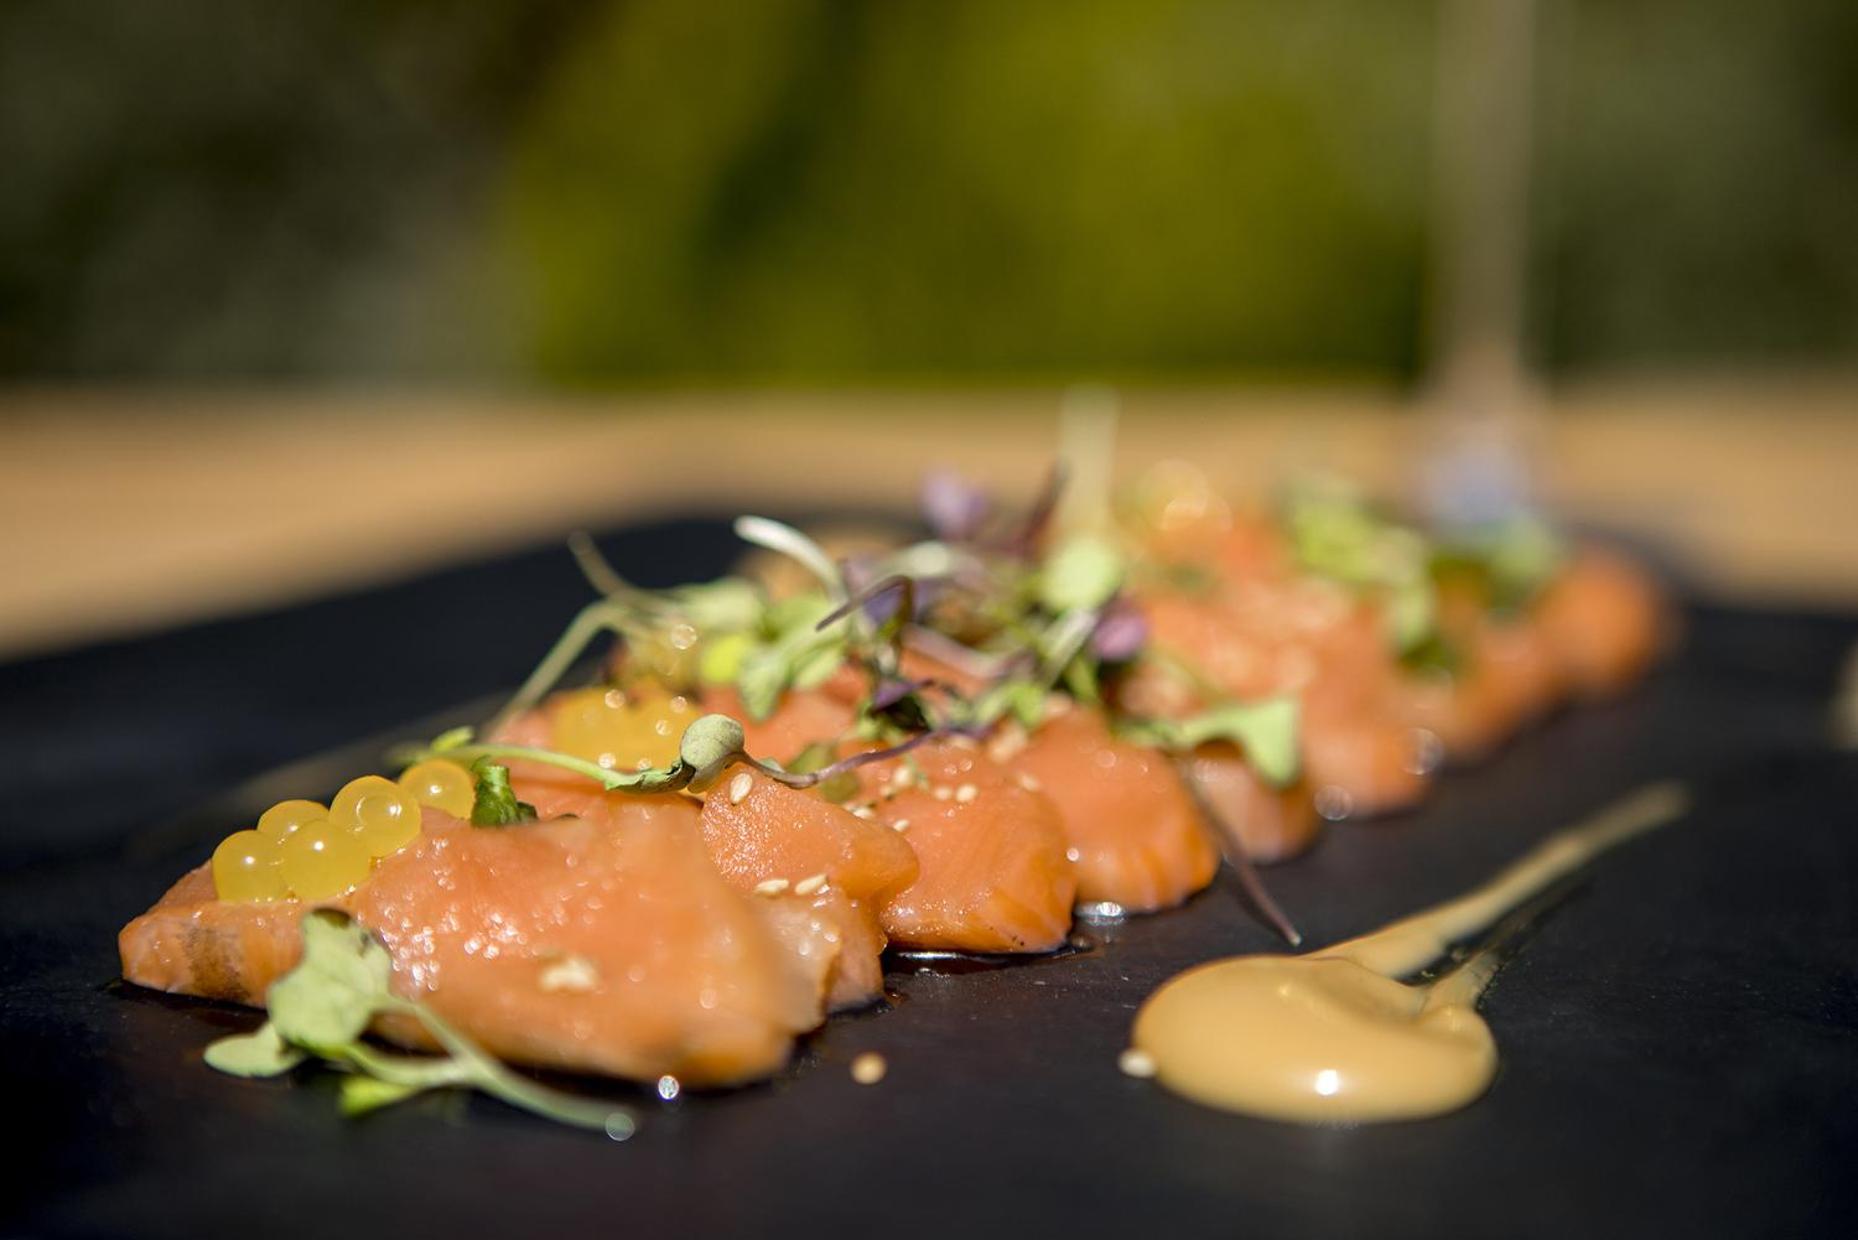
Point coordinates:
[(1334, 1036)]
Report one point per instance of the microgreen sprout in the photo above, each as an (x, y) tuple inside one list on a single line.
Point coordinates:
[(1336, 533), (322, 1009)]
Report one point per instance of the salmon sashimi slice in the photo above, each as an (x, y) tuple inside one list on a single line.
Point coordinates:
[(765, 836), (1361, 753), (1604, 620), (1504, 677), (771, 833), (609, 946), (1133, 830), (1272, 824), (994, 874)]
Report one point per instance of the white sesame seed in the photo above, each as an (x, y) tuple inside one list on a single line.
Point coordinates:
[(739, 787), (869, 1068), (810, 885), (575, 974), (941, 792), (964, 742), (1136, 1063), (1029, 782), (863, 811), (772, 887), (966, 793), (901, 824)]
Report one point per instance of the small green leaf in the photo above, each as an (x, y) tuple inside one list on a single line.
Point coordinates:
[(1411, 615), (496, 804), (1023, 700), (839, 787), (1267, 731), (796, 615), (709, 744), (322, 1008), (258, 1053), (1080, 576), (362, 1094), (727, 605), (818, 665), (336, 989), (722, 658), (812, 758), (763, 678)]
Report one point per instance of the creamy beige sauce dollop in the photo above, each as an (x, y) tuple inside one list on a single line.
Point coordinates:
[(1334, 1036)]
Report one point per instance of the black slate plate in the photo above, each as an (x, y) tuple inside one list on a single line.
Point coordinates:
[(1680, 1036)]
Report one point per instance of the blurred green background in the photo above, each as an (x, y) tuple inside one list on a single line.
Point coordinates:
[(645, 191)]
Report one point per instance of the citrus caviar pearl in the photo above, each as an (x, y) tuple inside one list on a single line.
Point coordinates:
[(619, 730), (442, 785), (286, 816), (383, 815), (245, 867), (322, 861)]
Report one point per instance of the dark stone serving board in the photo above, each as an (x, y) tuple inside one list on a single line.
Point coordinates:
[(1680, 1035)]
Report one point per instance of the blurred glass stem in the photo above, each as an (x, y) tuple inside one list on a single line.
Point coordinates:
[(1476, 469)]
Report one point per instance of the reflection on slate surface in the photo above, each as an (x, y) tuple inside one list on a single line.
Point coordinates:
[(1680, 1037)]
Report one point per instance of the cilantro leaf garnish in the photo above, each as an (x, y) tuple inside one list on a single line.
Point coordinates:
[(321, 1010)]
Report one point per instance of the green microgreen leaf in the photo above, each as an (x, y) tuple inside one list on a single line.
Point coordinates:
[(323, 1007), (496, 804), (1410, 615), (260, 1053), (726, 605), (709, 744), (722, 658), (1336, 533), (1510, 561), (1081, 575), (762, 680), (333, 994), (1267, 731), (360, 1095), (815, 756)]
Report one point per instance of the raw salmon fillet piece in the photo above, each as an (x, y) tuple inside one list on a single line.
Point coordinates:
[(1273, 824), (774, 832), (759, 831), (1504, 677), (1133, 831), (1604, 620), (1309, 640), (605, 946), (994, 873)]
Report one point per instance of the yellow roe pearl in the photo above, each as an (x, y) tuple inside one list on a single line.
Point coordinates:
[(442, 785), (286, 816), (381, 813), (620, 729), (322, 861), (245, 867)]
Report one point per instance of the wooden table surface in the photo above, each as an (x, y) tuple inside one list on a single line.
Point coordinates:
[(128, 509)]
